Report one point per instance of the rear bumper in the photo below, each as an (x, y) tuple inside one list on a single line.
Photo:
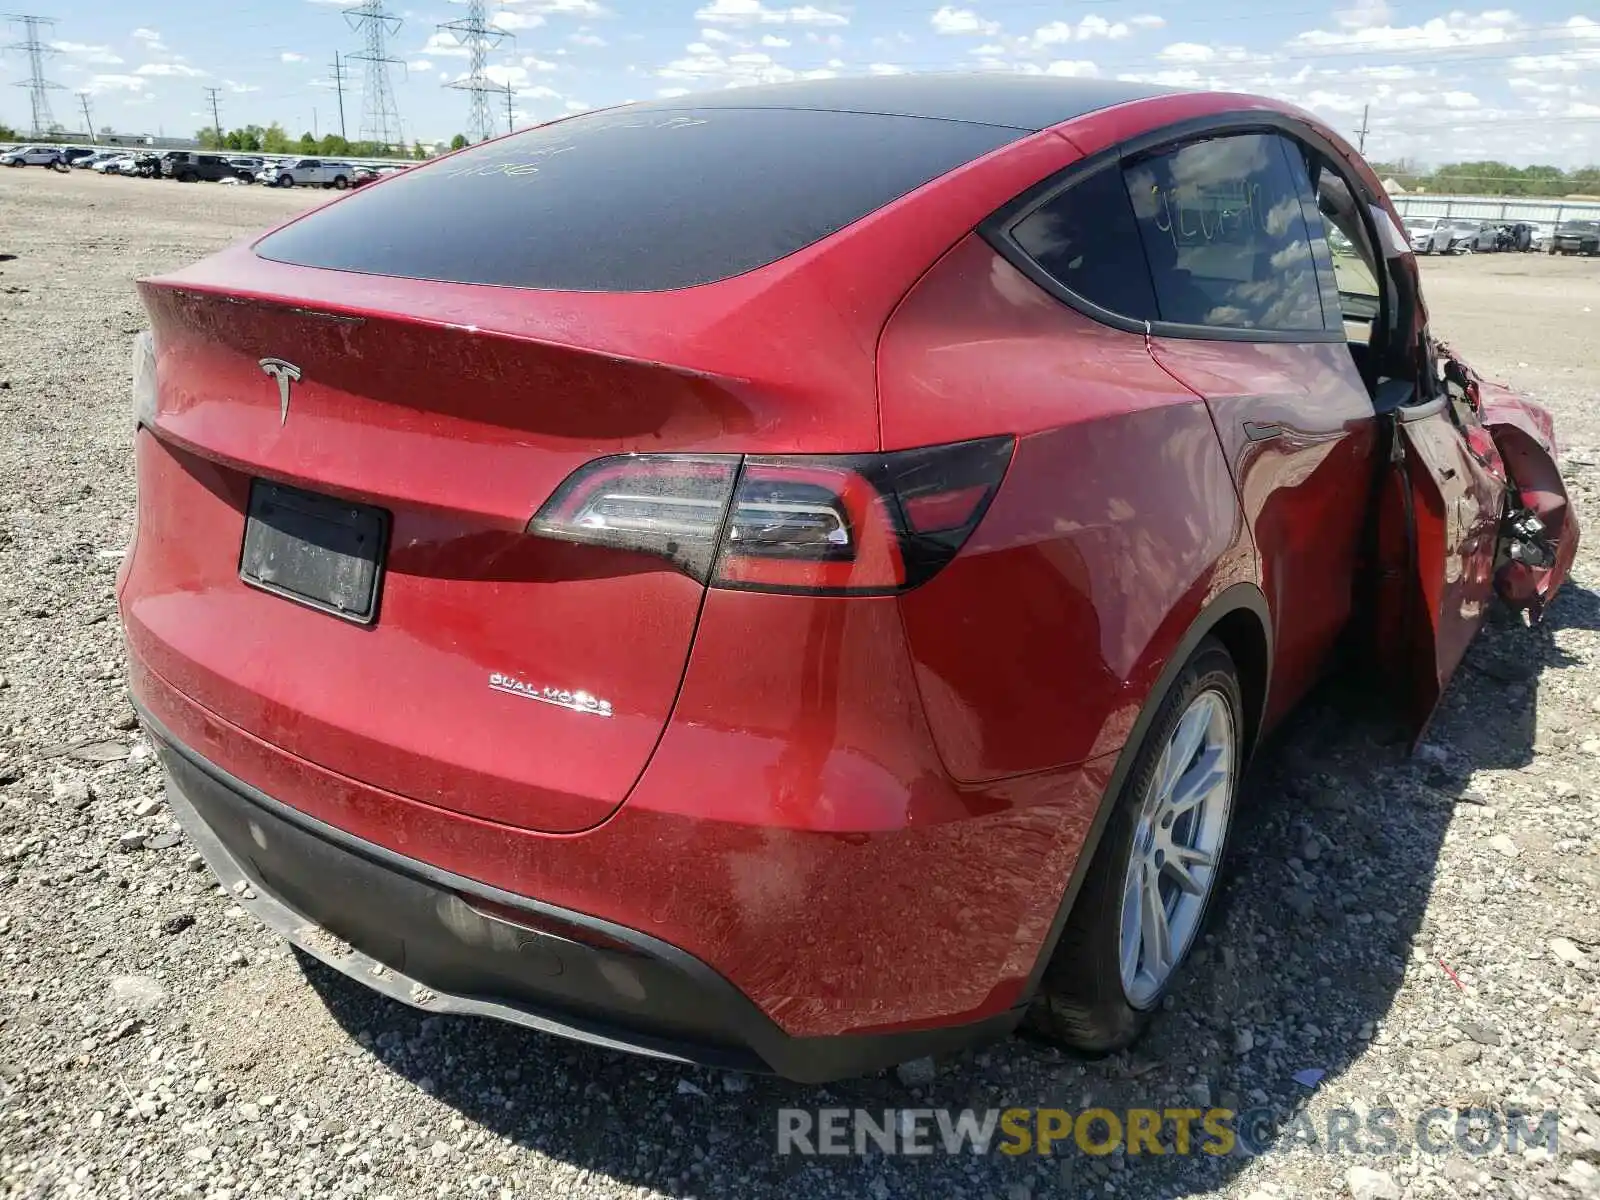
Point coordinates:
[(421, 935)]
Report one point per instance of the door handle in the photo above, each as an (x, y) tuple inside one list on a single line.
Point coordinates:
[(1261, 431)]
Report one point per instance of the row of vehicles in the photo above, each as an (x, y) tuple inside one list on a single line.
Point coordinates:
[(1468, 235), (193, 167)]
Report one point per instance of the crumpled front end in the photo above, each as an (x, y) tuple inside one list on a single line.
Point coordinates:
[(1539, 530)]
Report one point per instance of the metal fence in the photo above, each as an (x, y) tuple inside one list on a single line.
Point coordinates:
[(1498, 208)]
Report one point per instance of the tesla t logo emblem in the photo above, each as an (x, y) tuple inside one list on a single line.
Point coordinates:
[(285, 373)]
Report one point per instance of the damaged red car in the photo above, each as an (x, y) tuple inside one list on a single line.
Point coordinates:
[(792, 580)]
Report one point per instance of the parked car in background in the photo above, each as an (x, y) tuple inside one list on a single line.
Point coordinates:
[(1429, 235), (193, 168), (1469, 237), (308, 172), (361, 175), (89, 161), (111, 165), (30, 156), (702, 620), (1538, 235), (247, 166), (1576, 237)]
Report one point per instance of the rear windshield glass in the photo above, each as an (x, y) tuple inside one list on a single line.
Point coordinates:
[(633, 202)]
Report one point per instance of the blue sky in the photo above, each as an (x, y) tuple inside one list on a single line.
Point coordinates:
[(1521, 84)]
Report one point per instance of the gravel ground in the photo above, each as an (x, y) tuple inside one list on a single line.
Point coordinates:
[(1424, 931)]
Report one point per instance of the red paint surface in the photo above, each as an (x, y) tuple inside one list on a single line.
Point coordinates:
[(863, 812)]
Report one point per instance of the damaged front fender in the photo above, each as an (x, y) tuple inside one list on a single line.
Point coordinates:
[(1538, 530)]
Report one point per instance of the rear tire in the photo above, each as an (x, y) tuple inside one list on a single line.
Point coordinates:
[(341, 183), (1098, 996), (285, 180)]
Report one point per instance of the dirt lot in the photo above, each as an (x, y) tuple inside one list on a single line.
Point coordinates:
[(1424, 931)]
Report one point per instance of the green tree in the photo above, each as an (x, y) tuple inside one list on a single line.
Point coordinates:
[(208, 139), (459, 142), (417, 152), (274, 140), (332, 144), (7, 134), (307, 144)]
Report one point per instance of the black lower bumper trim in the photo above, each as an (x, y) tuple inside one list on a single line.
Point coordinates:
[(410, 930)]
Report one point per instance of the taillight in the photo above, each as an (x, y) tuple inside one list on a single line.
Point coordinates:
[(838, 524)]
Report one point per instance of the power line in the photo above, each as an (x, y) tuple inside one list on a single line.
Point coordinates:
[(479, 37), (338, 86), (88, 121), (380, 117), (510, 116), (216, 117), (39, 88)]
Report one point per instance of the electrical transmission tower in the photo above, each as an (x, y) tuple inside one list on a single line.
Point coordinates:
[(39, 88), (216, 117), (88, 121), (380, 119), (338, 86), (479, 37)]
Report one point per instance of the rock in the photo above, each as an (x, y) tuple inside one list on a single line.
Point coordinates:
[(130, 841), (1312, 850), (1480, 1033), (1567, 952), (237, 958), (146, 806), (1582, 1177), (1501, 844), (1199, 1094), (1300, 902), (126, 721), (177, 922), (1463, 1054), (201, 1154), (1244, 1042), (248, 1111), (919, 1072), (195, 862), (1429, 753), (1363, 1183), (164, 841), (687, 1087), (74, 793), (734, 1082), (138, 992)]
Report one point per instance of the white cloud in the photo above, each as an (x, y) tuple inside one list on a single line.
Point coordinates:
[(1073, 69), (754, 12), (1440, 33), (1460, 100), (587, 39), (1363, 14), (116, 83), (1096, 26), (1147, 21), (289, 56), (169, 70), (773, 42), (1052, 34), (444, 45), (1188, 52), (576, 106), (534, 63), (716, 35), (150, 38), (239, 89), (564, 8), (512, 21), (97, 55), (420, 64), (962, 21), (702, 64), (672, 93), (886, 69)]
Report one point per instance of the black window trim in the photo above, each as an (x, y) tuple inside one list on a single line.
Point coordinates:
[(997, 228)]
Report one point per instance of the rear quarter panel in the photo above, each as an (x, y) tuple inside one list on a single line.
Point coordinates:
[(1116, 524)]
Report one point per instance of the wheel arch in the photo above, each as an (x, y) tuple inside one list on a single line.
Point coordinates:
[(1239, 618)]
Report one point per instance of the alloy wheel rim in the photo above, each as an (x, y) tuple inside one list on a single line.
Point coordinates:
[(1176, 847)]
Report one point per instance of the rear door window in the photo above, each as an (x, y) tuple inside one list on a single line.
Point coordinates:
[(634, 201), (1223, 228)]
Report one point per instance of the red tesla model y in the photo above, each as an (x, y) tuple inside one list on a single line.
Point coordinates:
[(791, 578)]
